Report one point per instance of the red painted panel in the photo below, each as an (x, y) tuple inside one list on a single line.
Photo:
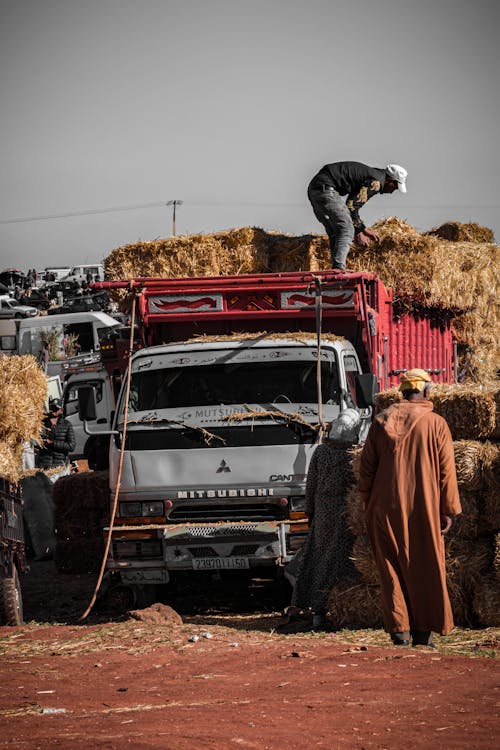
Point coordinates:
[(418, 342)]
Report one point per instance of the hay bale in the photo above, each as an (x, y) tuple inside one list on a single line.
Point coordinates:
[(496, 555), (23, 391), (354, 454), (469, 464), (81, 505), (355, 512), (429, 271), (352, 604), (466, 525), (457, 232), (466, 564), (490, 516), (364, 561), (486, 601), (469, 409)]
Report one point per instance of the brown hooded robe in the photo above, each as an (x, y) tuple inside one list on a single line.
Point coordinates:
[(408, 481)]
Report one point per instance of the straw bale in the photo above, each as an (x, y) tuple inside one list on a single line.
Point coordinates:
[(304, 337), (23, 391), (354, 604), (429, 271), (469, 460), (469, 409), (490, 459), (81, 505), (496, 557), (384, 399), (355, 512), (363, 559), (466, 525), (486, 600), (491, 511), (466, 563), (457, 232), (354, 454)]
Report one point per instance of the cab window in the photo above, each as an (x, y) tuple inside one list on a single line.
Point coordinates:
[(351, 369)]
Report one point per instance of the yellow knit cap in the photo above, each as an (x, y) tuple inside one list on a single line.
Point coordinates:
[(414, 380)]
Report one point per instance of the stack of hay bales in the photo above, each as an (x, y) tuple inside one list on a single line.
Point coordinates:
[(449, 272), (81, 510), (473, 543), (23, 391)]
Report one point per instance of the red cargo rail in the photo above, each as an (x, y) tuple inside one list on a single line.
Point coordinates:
[(356, 306)]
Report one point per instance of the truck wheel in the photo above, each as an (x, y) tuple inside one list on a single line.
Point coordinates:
[(11, 600)]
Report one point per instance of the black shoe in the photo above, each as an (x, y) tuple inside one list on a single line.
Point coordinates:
[(400, 639), (422, 638)]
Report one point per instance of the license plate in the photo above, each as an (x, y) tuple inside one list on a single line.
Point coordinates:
[(221, 563)]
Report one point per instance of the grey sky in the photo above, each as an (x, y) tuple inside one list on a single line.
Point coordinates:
[(232, 106)]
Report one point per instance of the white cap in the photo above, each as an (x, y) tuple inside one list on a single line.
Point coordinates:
[(399, 174), (345, 428)]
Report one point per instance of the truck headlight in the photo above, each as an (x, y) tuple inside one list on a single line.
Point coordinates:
[(298, 504), (130, 509), (154, 508)]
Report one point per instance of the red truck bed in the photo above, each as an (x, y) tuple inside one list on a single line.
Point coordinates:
[(354, 305)]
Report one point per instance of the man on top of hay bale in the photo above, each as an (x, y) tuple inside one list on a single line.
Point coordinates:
[(341, 218), (409, 486)]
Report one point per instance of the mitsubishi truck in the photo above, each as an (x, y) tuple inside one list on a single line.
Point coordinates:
[(228, 394)]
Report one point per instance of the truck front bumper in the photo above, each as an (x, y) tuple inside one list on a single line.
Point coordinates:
[(231, 546)]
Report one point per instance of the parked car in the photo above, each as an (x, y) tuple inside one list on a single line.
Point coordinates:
[(11, 308), (89, 303)]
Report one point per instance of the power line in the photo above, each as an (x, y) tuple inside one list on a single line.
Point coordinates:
[(87, 212), (211, 204)]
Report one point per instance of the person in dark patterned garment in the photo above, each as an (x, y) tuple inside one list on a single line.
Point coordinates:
[(324, 558)]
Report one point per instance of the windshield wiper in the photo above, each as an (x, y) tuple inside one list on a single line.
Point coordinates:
[(208, 437), (289, 419)]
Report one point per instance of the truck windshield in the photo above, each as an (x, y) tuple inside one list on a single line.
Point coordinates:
[(233, 383)]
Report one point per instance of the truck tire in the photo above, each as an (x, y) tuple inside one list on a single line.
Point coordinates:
[(11, 600)]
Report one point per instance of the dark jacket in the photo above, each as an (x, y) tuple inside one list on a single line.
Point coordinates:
[(354, 179), (63, 437)]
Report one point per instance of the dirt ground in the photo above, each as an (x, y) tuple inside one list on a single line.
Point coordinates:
[(117, 681)]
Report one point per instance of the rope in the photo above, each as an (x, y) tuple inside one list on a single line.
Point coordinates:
[(319, 317), (120, 468)]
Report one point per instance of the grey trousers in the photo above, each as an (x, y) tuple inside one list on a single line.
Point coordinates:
[(331, 211)]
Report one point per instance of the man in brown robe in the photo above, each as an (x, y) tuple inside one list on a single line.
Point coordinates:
[(409, 486)]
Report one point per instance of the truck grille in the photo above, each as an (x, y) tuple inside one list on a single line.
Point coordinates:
[(245, 550), (243, 512), (202, 551)]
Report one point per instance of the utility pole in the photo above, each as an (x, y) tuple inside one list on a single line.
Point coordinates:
[(174, 204)]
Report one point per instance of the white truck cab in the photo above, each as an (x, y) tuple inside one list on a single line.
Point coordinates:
[(84, 372), (219, 439)]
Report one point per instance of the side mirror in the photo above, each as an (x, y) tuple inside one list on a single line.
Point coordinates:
[(366, 390), (87, 409)]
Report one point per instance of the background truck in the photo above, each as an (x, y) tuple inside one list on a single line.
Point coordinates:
[(223, 410), (88, 371)]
